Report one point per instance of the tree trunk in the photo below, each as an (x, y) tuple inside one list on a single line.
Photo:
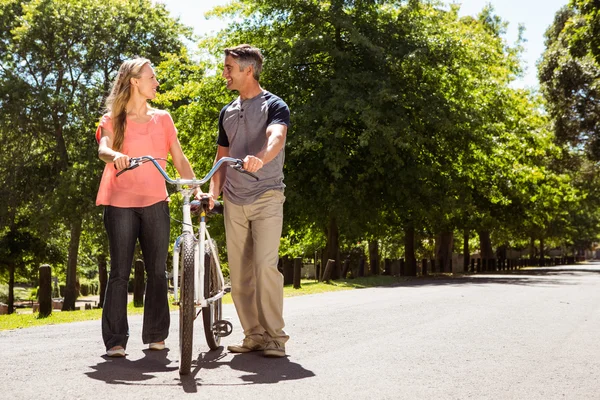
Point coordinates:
[(485, 244), (11, 287), (542, 261), (466, 252), (374, 257), (409, 251), (45, 291), (70, 289), (532, 249), (333, 248), (443, 250)]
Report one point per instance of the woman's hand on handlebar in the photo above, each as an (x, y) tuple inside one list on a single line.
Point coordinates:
[(121, 161)]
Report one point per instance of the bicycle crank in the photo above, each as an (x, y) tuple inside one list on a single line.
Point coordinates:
[(222, 328)]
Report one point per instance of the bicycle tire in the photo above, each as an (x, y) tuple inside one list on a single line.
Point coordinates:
[(212, 312), (187, 309)]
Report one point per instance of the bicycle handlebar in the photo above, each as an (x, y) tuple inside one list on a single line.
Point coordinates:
[(237, 164)]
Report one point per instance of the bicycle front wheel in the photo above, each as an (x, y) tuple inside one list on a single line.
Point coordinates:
[(213, 311), (186, 305)]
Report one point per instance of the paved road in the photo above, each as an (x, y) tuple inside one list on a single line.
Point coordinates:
[(531, 334)]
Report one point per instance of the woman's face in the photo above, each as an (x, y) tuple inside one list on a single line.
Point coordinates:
[(146, 84)]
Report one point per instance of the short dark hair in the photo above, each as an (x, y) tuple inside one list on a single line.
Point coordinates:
[(246, 55)]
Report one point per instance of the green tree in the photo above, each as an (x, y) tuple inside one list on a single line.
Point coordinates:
[(58, 58)]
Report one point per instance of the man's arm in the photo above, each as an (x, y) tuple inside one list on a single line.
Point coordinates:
[(218, 179), (275, 140)]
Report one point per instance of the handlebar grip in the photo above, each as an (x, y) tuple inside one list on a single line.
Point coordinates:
[(238, 167), (133, 164)]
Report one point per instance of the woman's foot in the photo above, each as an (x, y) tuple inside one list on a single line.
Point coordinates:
[(157, 346), (117, 351)]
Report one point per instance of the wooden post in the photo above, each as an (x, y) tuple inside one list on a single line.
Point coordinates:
[(424, 267), (361, 266), (466, 252), (402, 267), (345, 268), (138, 284), (374, 257), (288, 271), (103, 277), (433, 265), (387, 266), (478, 268), (318, 271), (328, 269), (45, 290), (472, 265), (297, 272)]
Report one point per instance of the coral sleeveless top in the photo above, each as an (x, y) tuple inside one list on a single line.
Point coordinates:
[(143, 186)]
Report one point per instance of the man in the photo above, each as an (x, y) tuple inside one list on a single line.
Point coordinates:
[(253, 127)]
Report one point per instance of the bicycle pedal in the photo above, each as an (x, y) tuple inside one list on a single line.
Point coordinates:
[(222, 328)]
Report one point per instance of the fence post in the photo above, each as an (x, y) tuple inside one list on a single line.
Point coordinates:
[(328, 269), (45, 290), (433, 265), (288, 271), (361, 266), (472, 265), (138, 284), (424, 267), (297, 272), (387, 266), (345, 267)]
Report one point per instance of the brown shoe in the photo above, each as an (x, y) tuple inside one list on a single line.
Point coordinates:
[(274, 349), (247, 345)]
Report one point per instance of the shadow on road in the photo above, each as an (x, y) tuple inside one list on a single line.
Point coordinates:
[(257, 369), (123, 371), (541, 276)]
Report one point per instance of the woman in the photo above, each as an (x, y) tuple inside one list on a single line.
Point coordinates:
[(135, 203)]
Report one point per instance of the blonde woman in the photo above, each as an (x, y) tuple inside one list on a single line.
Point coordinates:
[(135, 203)]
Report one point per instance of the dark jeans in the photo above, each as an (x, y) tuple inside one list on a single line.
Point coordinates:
[(124, 227)]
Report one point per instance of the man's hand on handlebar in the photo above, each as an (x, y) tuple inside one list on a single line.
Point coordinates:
[(252, 163), (209, 196), (121, 161)]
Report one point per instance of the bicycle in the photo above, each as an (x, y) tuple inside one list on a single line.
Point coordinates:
[(200, 286)]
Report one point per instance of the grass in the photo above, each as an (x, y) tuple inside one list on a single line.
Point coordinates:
[(27, 320)]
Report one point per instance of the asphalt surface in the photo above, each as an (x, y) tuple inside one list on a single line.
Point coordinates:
[(529, 334)]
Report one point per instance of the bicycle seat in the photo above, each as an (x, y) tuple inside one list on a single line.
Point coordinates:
[(197, 205)]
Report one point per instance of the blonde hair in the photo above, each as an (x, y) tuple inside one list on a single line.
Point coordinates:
[(120, 93)]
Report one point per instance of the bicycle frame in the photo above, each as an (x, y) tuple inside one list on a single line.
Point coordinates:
[(188, 229), (200, 242)]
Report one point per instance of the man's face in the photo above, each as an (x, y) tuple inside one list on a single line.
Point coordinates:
[(232, 74)]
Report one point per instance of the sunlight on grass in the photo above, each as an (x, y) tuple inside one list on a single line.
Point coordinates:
[(27, 320)]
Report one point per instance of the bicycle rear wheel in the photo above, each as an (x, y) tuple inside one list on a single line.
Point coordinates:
[(213, 311), (186, 305)]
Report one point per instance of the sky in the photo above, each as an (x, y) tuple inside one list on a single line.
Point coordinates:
[(535, 15)]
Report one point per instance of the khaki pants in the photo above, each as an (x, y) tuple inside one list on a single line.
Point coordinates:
[(253, 233)]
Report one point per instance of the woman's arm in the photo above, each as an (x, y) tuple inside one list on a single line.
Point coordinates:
[(180, 161), (107, 154)]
